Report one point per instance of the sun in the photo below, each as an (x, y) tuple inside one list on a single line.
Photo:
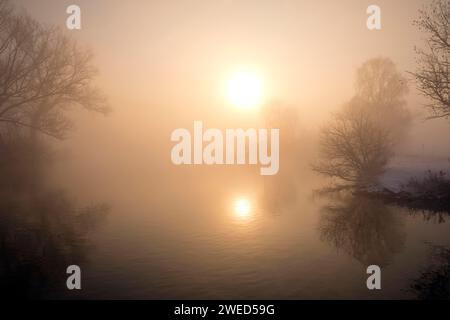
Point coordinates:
[(245, 88)]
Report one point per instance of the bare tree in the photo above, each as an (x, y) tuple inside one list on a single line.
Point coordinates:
[(380, 84), (357, 143), (43, 72), (353, 148), (433, 72), (381, 92)]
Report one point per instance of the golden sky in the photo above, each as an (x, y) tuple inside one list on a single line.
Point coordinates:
[(172, 57)]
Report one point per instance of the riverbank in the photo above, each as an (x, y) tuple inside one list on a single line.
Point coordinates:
[(415, 182)]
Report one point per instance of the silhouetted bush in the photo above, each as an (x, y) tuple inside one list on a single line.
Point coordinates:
[(433, 185)]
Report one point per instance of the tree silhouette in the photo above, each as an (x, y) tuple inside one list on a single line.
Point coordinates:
[(433, 72), (43, 72), (357, 143), (353, 148), (381, 92)]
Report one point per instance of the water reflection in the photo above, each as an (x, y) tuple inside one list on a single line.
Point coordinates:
[(39, 237), (364, 228), (434, 280), (242, 209)]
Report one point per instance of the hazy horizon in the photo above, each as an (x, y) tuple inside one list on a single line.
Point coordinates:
[(182, 231)]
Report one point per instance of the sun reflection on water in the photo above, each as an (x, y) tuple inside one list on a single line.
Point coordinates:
[(242, 209)]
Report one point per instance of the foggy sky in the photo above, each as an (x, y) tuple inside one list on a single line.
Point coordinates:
[(162, 64)]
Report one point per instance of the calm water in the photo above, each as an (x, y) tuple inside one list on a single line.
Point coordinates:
[(244, 236)]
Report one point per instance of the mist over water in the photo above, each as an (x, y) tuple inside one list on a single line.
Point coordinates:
[(178, 232), (288, 245), (142, 227)]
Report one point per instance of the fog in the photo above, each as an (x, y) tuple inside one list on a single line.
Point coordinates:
[(163, 65)]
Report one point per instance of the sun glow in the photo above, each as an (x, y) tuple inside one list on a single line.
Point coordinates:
[(245, 89)]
